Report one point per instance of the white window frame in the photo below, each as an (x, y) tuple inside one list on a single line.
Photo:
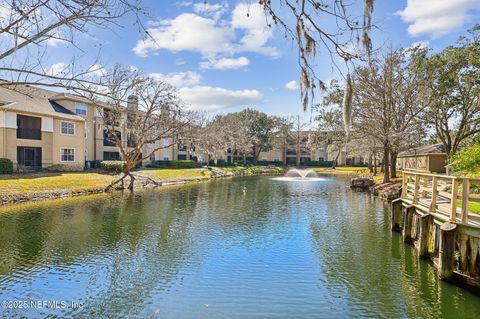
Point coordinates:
[(83, 105), (61, 154), (61, 128)]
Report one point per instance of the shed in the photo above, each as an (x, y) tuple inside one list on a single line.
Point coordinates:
[(427, 158)]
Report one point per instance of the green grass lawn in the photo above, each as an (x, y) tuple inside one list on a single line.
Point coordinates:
[(52, 182), (41, 183)]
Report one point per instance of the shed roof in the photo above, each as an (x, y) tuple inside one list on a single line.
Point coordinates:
[(423, 150)]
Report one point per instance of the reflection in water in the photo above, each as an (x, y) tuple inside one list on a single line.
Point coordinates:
[(239, 248)]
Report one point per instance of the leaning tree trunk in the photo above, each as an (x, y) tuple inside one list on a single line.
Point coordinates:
[(374, 165), (132, 181), (386, 164), (393, 164)]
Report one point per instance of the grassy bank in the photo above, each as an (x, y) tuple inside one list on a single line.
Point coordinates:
[(343, 170), (39, 186)]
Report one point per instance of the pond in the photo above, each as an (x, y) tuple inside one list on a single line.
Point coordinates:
[(255, 247)]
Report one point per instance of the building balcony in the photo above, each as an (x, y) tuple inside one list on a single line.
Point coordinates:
[(29, 133)]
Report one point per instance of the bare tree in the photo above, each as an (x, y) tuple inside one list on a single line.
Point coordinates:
[(28, 27), (386, 106), (149, 111)]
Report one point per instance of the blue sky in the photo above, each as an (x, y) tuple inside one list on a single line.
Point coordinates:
[(223, 61)]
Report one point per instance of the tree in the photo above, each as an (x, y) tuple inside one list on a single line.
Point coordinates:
[(330, 132), (450, 83), (386, 106), (210, 138), (148, 110), (259, 129), (27, 27), (284, 133)]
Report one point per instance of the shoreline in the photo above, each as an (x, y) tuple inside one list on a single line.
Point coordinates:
[(208, 174)]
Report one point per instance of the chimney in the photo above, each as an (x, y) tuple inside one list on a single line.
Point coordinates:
[(132, 103)]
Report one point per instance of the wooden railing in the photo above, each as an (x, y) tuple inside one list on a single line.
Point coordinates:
[(442, 194)]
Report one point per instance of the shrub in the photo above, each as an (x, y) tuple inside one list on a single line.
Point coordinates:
[(64, 168), (21, 168), (6, 166), (467, 160), (113, 166), (174, 164), (319, 163), (269, 163)]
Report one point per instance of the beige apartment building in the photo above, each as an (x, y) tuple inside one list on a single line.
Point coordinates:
[(40, 128), (36, 132)]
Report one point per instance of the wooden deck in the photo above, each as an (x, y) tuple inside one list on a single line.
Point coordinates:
[(444, 196)]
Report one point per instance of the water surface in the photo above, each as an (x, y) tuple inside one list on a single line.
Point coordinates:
[(235, 248)]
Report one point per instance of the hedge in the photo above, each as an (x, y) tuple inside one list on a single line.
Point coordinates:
[(6, 166), (113, 166), (318, 163), (270, 163), (65, 168), (174, 164)]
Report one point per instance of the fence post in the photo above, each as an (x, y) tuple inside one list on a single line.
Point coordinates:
[(416, 189), (465, 195), (433, 204), (453, 207), (404, 185)]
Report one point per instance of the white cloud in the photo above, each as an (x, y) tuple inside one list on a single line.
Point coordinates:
[(438, 17), (251, 18), (97, 70), (420, 44), (178, 79), (58, 69), (187, 32), (225, 63), (180, 61), (292, 85), (215, 10), (247, 31), (208, 98), (55, 42)]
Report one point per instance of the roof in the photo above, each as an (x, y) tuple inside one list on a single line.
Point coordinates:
[(29, 99), (423, 150)]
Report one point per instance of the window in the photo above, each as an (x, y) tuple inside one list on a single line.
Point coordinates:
[(109, 140), (68, 128), (67, 155), (29, 127), (166, 158), (321, 159), (80, 109), (166, 142), (111, 156), (152, 158), (322, 149)]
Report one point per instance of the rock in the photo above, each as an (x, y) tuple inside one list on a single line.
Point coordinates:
[(361, 183)]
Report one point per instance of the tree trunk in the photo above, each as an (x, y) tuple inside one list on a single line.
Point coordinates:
[(386, 160), (334, 164), (370, 167), (393, 164), (374, 165), (132, 181), (244, 159)]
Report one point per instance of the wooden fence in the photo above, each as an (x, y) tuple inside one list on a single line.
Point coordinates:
[(447, 197)]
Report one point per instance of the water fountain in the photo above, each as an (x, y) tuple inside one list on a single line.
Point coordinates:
[(302, 173), (295, 174)]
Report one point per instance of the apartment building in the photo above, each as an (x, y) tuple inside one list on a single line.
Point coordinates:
[(37, 132)]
